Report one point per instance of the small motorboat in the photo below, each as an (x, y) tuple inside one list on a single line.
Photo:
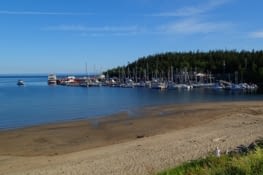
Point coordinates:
[(20, 83)]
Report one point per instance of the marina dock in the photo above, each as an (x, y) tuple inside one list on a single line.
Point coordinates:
[(204, 81)]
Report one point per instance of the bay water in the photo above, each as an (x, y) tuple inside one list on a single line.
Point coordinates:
[(37, 103)]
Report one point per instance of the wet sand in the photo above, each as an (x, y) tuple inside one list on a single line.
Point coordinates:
[(146, 142)]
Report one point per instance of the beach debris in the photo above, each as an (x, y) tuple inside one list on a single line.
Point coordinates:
[(139, 136), (245, 149), (252, 146), (227, 151), (220, 139), (193, 141), (259, 142), (217, 152), (241, 149)]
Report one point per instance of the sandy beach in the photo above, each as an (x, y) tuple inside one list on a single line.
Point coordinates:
[(146, 142)]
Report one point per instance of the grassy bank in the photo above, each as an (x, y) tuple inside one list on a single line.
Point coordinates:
[(244, 161)]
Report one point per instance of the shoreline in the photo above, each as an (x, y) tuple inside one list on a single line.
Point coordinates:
[(136, 112), (147, 143), (50, 139)]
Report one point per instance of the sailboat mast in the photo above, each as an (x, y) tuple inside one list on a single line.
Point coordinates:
[(172, 74), (86, 69)]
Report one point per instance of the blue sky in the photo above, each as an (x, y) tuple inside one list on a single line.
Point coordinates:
[(60, 36)]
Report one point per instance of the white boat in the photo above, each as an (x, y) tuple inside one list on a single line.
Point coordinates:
[(95, 83), (218, 86), (140, 84), (248, 86), (179, 86), (129, 84), (172, 85), (20, 83), (158, 85), (52, 79), (187, 86), (236, 87)]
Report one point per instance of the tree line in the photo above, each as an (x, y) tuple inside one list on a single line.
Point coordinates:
[(248, 65)]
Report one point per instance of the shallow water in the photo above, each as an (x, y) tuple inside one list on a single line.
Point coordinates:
[(37, 103)]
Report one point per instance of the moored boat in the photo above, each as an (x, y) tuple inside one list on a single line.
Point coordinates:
[(52, 79), (20, 83), (155, 84)]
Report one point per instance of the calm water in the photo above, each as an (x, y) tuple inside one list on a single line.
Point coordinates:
[(37, 103)]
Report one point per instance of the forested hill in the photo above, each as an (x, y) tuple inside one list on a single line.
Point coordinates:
[(247, 64)]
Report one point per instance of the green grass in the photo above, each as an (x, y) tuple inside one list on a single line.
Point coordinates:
[(250, 163)]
